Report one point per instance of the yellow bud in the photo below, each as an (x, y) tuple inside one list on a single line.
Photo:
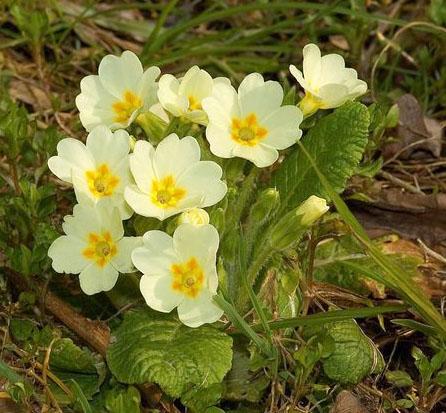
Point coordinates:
[(312, 209), (196, 216)]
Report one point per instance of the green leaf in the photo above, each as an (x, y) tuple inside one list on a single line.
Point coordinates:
[(354, 355), (22, 330), (201, 399), (437, 11), (164, 351), (404, 403), (395, 277), (71, 363), (241, 382), (399, 378), (441, 378), (18, 387), (123, 400), (80, 397), (422, 363), (336, 143)]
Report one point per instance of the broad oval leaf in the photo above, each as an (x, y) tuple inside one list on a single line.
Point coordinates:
[(154, 347), (336, 143), (354, 355)]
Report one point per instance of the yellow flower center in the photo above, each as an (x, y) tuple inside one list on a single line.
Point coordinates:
[(165, 193), (194, 104), (247, 131), (124, 109), (101, 248), (101, 181), (188, 277)]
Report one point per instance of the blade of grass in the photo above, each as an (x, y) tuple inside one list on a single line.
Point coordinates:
[(80, 397), (395, 277), (254, 300), (238, 321), (415, 325), (332, 316), (151, 48), (162, 19)]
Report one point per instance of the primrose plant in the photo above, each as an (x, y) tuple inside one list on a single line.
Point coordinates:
[(174, 177)]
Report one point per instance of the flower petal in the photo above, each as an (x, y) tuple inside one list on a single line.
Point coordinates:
[(158, 292), (259, 97), (202, 180), (332, 69), (261, 155), (123, 259), (174, 155), (66, 253), (169, 97), (196, 312), (89, 218), (95, 279), (108, 147), (333, 95), (94, 103), (312, 64), (222, 106), (141, 203), (71, 154), (283, 127), (156, 255), (120, 73), (297, 74), (141, 165), (196, 241), (196, 83), (147, 87), (220, 141)]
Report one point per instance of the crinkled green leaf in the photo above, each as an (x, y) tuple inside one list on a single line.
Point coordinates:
[(200, 399), (22, 330), (354, 355), (399, 378), (70, 362), (155, 347), (336, 143), (123, 400)]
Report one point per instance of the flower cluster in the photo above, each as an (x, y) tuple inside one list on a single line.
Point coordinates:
[(113, 177)]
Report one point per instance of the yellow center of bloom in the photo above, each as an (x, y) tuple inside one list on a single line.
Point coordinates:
[(194, 103), (124, 109), (101, 248), (165, 193), (101, 181), (247, 131), (188, 277)]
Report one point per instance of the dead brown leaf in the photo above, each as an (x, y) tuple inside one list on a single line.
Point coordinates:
[(29, 93), (414, 139), (339, 41), (347, 402)]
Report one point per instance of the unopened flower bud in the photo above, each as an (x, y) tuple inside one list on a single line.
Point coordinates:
[(312, 209), (196, 216), (293, 225), (152, 124), (265, 205)]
